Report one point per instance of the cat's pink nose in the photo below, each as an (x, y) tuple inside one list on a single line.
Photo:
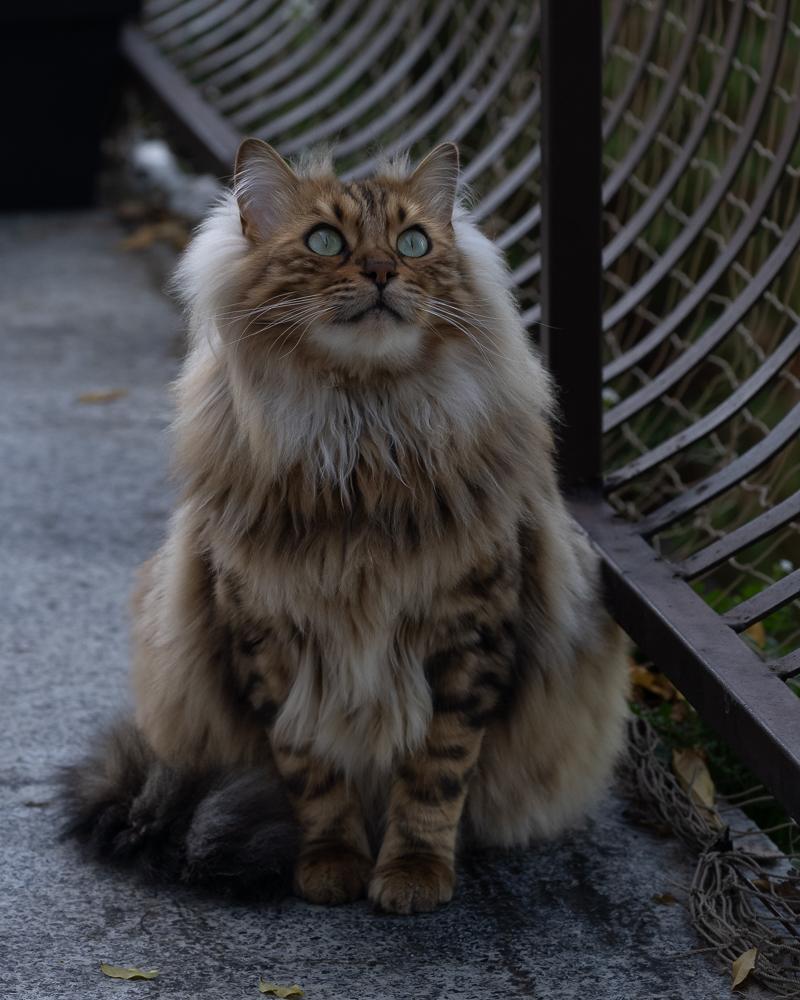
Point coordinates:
[(379, 270)]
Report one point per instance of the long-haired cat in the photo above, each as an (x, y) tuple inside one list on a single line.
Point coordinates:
[(373, 632)]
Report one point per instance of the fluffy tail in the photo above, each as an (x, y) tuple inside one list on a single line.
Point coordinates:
[(231, 833)]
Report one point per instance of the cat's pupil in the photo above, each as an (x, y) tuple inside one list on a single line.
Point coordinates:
[(326, 241), (413, 243)]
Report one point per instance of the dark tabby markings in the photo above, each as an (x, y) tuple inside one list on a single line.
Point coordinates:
[(249, 644), (334, 861), (431, 789), (456, 751), (309, 786), (318, 789), (266, 712), (444, 704), (411, 838), (401, 214)]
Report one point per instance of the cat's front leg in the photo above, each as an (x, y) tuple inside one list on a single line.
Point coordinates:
[(472, 680), (416, 865), (335, 861)]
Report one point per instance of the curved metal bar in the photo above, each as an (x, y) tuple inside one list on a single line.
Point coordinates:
[(154, 8), (634, 227), (266, 48), (498, 143), (708, 423), (709, 278), (352, 42), (388, 79), (694, 229), (622, 102), (531, 218), (524, 224), (530, 268), (532, 317), (236, 24), (423, 86), (236, 61), (771, 599), (490, 91), (209, 19), (781, 434), (748, 534), (717, 332), (517, 123), (338, 84), (179, 14), (613, 24), (526, 111), (426, 122), (260, 30), (661, 110), (513, 180)]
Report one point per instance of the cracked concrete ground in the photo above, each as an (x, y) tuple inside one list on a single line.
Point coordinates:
[(84, 497)]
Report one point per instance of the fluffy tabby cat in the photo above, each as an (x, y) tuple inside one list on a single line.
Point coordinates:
[(373, 631)]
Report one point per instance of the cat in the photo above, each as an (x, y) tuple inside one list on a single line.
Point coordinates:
[(374, 633)]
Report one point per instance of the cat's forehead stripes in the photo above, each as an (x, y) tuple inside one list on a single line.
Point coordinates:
[(368, 205)]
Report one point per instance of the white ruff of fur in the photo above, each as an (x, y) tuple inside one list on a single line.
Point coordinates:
[(375, 694), (391, 342)]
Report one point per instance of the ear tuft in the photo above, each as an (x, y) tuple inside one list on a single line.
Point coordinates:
[(436, 179), (265, 187)]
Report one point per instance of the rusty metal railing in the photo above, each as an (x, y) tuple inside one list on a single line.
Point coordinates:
[(645, 186)]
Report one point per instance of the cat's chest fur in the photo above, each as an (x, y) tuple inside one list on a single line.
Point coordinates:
[(350, 598), (343, 670)]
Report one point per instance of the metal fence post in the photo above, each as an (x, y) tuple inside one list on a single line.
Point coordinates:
[(571, 233)]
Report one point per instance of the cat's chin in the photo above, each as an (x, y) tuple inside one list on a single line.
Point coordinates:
[(378, 338)]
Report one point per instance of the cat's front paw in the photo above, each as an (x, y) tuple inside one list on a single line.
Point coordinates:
[(332, 874), (412, 883)]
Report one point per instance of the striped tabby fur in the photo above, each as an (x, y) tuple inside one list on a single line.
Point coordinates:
[(371, 591)]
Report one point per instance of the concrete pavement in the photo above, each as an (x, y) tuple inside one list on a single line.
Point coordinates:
[(84, 497)]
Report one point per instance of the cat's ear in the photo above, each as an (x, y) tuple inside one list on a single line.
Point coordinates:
[(265, 187), (436, 179)]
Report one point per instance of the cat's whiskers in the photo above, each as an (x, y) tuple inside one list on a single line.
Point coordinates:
[(304, 332), (268, 326), (270, 306), (272, 303), (458, 318), (452, 305), (307, 316), (452, 321)]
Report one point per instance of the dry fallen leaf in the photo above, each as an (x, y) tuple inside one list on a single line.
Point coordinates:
[(122, 972), (679, 712), (279, 991), (695, 780), (758, 634), (743, 966), (169, 230), (102, 396), (653, 682), (665, 899)]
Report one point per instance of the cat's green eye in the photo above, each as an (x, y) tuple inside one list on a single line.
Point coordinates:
[(413, 243), (326, 241)]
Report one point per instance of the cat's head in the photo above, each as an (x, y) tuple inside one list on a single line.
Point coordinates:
[(350, 277)]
